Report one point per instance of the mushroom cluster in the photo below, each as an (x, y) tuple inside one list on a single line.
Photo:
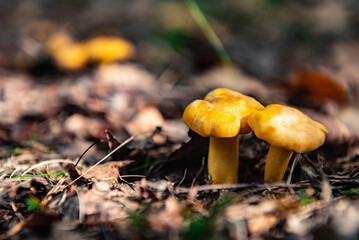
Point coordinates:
[(225, 114)]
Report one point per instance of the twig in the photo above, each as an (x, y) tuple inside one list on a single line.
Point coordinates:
[(199, 172), (294, 164), (47, 162), (81, 206), (93, 144), (239, 186), (103, 159), (183, 178), (133, 176), (13, 172), (128, 183)]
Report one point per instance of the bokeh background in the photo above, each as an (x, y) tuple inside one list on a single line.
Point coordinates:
[(266, 37), (301, 53)]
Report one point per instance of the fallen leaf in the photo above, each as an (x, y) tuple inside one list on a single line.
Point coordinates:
[(315, 88), (261, 224), (260, 218), (113, 143), (106, 206), (109, 77), (169, 218), (86, 126), (146, 120), (109, 172)]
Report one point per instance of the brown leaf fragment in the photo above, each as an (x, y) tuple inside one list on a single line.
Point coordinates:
[(38, 219), (260, 224), (340, 135), (86, 126), (113, 143), (260, 218), (146, 120), (42, 220), (74, 174), (169, 218), (103, 206), (122, 76), (326, 194), (109, 172), (56, 189), (345, 219), (315, 88), (349, 116)]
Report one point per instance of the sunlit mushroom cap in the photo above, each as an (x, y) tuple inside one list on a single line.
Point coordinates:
[(288, 128), (71, 57), (109, 49), (223, 113)]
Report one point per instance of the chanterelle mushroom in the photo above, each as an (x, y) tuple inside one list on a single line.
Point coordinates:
[(106, 49), (286, 129), (221, 116)]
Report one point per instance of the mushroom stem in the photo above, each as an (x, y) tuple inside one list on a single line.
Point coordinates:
[(223, 160), (276, 165)]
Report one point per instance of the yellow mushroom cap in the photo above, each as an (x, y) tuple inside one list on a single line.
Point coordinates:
[(71, 57), (57, 41), (222, 114), (288, 128), (109, 49), (67, 54)]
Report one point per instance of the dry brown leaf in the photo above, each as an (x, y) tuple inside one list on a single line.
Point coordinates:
[(339, 133), (21, 96), (122, 76), (104, 206), (349, 116), (260, 218), (113, 143), (315, 88), (109, 172), (260, 224), (168, 218), (34, 220), (147, 120), (345, 218), (85, 126)]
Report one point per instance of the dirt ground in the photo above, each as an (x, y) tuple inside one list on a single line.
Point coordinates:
[(93, 145)]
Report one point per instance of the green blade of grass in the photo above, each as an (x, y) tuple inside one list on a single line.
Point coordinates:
[(202, 22)]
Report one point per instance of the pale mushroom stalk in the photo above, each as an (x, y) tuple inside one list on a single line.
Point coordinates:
[(223, 159), (276, 165)]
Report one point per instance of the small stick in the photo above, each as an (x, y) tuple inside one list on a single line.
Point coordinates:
[(239, 186), (199, 172), (289, 179), (103, 159), (93, 144), (47, 162), (184, 176)]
